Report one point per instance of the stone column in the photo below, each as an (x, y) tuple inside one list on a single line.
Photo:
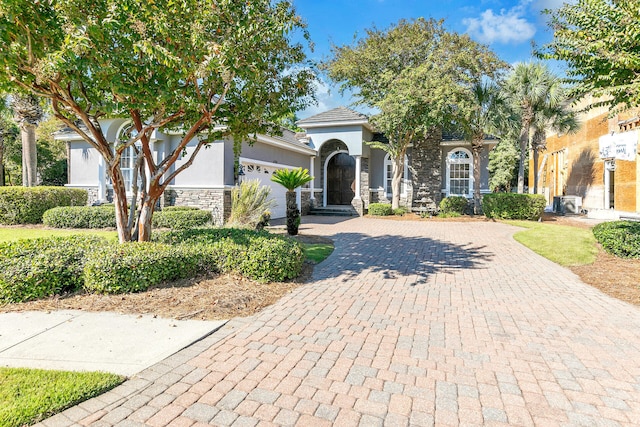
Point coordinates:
[(358, 177), (313, 182), (427, 180)]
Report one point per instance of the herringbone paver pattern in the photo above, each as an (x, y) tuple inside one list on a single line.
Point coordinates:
[(407, 323)]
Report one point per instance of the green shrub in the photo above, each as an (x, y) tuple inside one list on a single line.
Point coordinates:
[(400, 211), (513, 206), (257, 255), (620, 238), (179, 208), (380, 209), (453, 205), (133, 267), (249, 203), (37, 268), (103, 216), (181, 218), (26, 205)]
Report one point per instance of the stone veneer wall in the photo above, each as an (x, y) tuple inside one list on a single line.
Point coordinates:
[(427, 177), (380, 196), (305, 201), (216, 200), (364, 181)]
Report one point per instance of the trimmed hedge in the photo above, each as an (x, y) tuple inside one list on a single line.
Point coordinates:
[(37, 268), (26, 205), (181, 218), (513, 206), (180, 208), (620, 238), (257, 255), (133, 267), (380, 209), (454, 205), (103, 216)]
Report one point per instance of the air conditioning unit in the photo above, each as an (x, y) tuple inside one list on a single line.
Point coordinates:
[(567, 204)]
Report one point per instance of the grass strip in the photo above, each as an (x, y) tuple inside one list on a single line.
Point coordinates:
[(317, 252), (564, 245), (31, 395), (16, 233)]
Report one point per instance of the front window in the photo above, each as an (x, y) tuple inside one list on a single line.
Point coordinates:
[(129, 156), (459, 173), (388, 168)]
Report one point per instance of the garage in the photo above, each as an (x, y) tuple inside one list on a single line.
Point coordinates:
[(262, 171)]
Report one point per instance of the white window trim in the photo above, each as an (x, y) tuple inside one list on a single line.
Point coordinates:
[(451, 161), (405, 176)]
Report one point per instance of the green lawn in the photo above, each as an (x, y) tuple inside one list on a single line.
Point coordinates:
[(317, 252), (15, 233), (564, 245), (30, 395)]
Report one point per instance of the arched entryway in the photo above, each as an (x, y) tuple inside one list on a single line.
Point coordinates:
[(341, 175)]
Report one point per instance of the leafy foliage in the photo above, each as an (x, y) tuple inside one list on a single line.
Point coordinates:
[(249, 204), (26, 205), (513, 206), (620, 238), (255, 254), (135, 266), (186, 66), (414, 74), (80, 217), (530, 89), (28, 396), (598, 39), (380, 209), (291, 178), (454, 204), (38, 268), (503, 164), (182, 218)]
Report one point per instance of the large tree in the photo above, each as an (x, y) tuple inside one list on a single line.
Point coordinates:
[(411, 74), (530, 88), (28, 114), (599, 40), (480, 113), (205, 68)]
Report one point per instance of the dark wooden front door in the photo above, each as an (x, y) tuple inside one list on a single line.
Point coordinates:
[(341, 174)]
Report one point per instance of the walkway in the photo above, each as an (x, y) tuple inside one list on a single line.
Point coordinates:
[(407, 323)]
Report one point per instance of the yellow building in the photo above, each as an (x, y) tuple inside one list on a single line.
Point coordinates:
[(597, 168)]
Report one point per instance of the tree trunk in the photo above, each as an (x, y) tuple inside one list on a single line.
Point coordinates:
[(2, 182), (29, 155), (293, 214), (524, 142), (477, 198), (397, 171), (144, 221), (122, 207)]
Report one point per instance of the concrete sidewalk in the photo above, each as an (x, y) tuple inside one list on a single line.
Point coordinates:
[(83, 341)]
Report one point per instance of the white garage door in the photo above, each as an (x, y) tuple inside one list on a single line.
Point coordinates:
[(262, 172)]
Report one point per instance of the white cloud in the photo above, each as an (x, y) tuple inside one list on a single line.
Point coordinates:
[(509, 26)]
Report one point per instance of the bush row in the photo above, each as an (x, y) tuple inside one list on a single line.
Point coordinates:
[(513, 206), (38, 268), (454, 205), (620, 238), (380, 209), (105, 216), (26, 205)]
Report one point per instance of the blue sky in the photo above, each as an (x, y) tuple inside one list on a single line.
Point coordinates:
[(506, 26)]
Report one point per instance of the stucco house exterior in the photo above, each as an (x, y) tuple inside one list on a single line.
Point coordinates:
[(597, 169), (347, 172)]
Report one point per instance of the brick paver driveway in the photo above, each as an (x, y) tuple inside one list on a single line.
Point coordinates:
[(407, 323)]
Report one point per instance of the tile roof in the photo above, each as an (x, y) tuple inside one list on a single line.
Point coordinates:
[(340, 114)]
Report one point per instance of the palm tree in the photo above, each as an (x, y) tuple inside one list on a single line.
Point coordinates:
[(559, 118), (292, 179), (483, 116), (28, 114), (530, 88)]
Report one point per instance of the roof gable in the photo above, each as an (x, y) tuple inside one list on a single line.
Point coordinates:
[(337, 115)]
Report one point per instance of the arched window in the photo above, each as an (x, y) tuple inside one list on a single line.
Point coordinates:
[(388, 175), (459, 173), (129, 156)]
